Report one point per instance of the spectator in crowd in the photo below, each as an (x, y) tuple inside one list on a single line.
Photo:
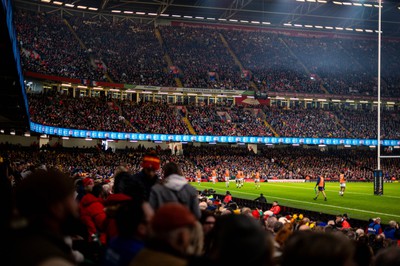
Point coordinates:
[(177, 235), (133, 223), (312, 248), (274, 210), (92, 214), (392, 230), (388, 257), (46, 200), (375, 226), (175, 188), (261, 199), (247, 235)]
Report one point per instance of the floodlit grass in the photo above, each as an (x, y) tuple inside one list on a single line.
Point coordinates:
[(358, 201)]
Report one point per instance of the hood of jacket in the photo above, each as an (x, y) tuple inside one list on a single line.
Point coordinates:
[(89, 199), (175, 182)]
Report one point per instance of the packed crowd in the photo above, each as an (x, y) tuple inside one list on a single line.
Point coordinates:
[(130, 50), (90, 113), (273, 62), (232, 121), (202, 58), (93, 113), (156, 117), (146, 213), (48, 47), (280, 163)]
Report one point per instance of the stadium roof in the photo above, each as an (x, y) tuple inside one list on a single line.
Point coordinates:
[(356, 14)]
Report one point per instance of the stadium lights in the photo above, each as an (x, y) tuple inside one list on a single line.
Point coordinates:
[(294, 99), (339, 28), (177, 93), (237, 96), (354, 4), (396, 147), (130, 91), (128, 12), (318, 27), (287, 24), (58, 3), (133, 140), (295, 144), (2, 131), (115, 11), (321, 145), (372, 146), (12, 132), (391, 103), (191, 94), (211, 18), (350, 101), (233, 20), (162, 92), (221, 95), (255, 22), (46, 1), (164, 15), (266, 23), (363, 101), (82, 87), (93, 8), (312, 1), (347, 146), (359, 30), (81, 7), (349, 29), (298, 25), (66, 84), (222, 19), (98, 88), (334, 100), (146, 92), (88, 139), (183, 16), (321, 100), (244, 21), (114, 90), (65, 138), (322, 1), (143, 13), (199, 17), (307, 99), (308, 26), (206, 95), (27, 134), (43, 136), (69, 5)]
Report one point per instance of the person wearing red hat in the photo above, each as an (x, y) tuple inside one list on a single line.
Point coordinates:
[(177, 235), (140, 184)]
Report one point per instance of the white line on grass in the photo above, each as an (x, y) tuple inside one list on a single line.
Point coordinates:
[(332, 206), (318, 204), (347, 192)]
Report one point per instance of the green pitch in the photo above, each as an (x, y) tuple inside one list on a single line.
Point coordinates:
[(358, 201)]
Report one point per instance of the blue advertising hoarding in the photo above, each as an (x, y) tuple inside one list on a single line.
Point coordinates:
[(66, 132)]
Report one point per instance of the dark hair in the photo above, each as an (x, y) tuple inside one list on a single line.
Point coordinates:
[(97, 190), (128, 217), (39, 190), (312, 248), (171, 168), (247, 234)]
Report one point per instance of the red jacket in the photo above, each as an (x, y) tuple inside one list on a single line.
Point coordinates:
[(92, 213), (276, 209)]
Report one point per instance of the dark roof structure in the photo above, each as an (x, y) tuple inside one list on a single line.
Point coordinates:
[(342, 14)]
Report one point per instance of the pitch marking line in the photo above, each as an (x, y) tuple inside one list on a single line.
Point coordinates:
[(347, 192)]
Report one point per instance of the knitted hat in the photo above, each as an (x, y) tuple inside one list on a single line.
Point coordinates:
[(151, 161), (171, 216), (117, 198), (87, 181)]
